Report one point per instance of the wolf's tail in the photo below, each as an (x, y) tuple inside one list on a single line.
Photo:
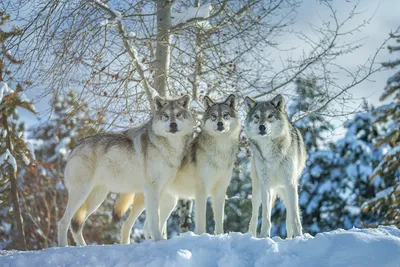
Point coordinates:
[(122, 204)]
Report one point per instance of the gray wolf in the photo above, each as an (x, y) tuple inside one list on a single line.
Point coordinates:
[(141, 160), (278, 160), (206, 170)]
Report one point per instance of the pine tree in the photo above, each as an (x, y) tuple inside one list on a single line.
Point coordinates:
[(54, 137), (14, 150), (312, 125), (360, 156), (386, 203)]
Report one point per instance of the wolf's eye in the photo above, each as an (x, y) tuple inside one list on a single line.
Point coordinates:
[(227, 116), (270, 116), (213, 117), (256, 117), (179, 114), (165, 115)]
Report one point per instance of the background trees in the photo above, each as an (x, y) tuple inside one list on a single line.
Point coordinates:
[(386, 203), (15, 152)]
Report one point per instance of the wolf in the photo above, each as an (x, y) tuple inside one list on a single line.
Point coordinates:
[(278, 160), (206, 170), (142, 160)]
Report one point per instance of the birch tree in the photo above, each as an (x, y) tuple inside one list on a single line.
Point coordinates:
[(115, 52)]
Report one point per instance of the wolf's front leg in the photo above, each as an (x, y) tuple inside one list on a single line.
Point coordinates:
[(266, 199), (293, 221), (255, 200), (218, 201), (167, 205), (200, 211), (152, 203)]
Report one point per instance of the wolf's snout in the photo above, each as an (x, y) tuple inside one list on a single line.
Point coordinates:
[(262, 128), (220, 126), (173, 127)]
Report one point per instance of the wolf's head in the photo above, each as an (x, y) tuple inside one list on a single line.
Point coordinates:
[(172, 116), (220, 118), (265, 118)]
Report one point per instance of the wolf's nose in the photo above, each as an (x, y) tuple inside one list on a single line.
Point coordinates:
[(173, 125), (262, 128), (220, 124)]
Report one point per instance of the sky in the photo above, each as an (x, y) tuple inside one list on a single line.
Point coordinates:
[(385, 18)]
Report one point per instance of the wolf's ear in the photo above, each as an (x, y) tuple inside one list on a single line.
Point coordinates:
[(278, 102), (231, 101), (160, 102), (249, 103), (184, 101), (208, 102)]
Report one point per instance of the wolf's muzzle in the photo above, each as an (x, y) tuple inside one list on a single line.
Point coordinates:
[(173, 127), (220, 126), (262, 129)]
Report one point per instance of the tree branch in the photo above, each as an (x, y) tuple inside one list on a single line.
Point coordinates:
[(150, 92)]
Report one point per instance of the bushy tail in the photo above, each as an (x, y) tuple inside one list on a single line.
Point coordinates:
[(122, 204)]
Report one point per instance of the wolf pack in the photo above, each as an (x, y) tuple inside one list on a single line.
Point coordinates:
[(153, 165)]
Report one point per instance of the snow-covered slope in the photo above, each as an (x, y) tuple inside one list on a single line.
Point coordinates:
[(355, 247)]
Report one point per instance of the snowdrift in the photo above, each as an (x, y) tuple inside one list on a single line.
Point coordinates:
[(355, 247)]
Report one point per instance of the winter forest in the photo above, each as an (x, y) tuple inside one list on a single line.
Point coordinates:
[(69, 69)]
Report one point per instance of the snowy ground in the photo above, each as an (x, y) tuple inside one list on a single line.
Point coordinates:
[(355, 247)]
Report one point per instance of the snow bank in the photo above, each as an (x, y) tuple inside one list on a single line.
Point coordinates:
[(355, 247)]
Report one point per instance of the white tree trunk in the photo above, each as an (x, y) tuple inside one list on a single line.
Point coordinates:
[(163, 47)]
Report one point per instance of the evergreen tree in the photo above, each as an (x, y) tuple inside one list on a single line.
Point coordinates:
[(312, 125), (386, 203), (359, 156), (14, 150), (69, 121)]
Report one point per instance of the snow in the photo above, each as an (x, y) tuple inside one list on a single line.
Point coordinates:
[(4, 90), (30, 148), (62, 147), (386, 192), (26, 160), (191, 13), (394, 151), (104, 22), (8, 157), (153, 91), (354, 247), (23, 97), (391, 153)]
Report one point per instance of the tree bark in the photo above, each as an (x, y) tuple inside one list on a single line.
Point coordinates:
[(163, 47), (21, 243), (197, 69)]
